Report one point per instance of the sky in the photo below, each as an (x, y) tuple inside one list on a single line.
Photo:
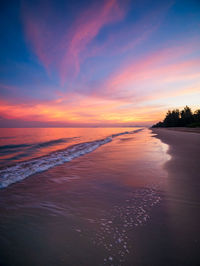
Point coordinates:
[(97, 63)]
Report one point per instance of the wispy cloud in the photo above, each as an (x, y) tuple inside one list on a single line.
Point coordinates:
[(84, 30), (109, 61), (153, 72), (62, 49)]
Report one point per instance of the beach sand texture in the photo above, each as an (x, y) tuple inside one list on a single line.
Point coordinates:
[(178, 218), (126, 203)]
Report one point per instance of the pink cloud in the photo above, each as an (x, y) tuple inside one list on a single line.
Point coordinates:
[(84, 30), (62, 48), (163, 65), (39, 33), (130, 36)]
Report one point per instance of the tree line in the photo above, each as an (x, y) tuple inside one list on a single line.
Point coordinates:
[(183, 118)]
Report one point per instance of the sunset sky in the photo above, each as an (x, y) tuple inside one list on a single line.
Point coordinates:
[(97, 63)]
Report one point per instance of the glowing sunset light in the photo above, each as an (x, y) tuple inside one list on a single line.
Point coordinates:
[(99, 63)]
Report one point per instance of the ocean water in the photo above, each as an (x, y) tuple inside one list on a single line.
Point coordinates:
[(29, 151), (77, 196)]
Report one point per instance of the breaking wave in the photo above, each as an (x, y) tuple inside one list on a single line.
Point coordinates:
[(22, 170)]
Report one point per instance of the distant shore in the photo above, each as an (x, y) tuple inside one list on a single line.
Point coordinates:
[(183, 129), (182, 198)]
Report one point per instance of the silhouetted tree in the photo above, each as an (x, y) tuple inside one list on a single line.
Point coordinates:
[(197, 115), (159, 124), (172, 118), (186, 116), (176, 118)]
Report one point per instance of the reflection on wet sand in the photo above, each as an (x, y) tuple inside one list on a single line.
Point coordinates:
[(87, 211)]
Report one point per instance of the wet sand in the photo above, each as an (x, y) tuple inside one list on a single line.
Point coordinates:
[(114, 206), (89, 211), (182, 129), (174, 228)]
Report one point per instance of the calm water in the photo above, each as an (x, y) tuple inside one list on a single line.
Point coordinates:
[(19, 144), (82, 195)]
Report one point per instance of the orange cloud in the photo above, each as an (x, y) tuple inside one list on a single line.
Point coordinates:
[(95, 110), (90, 111)]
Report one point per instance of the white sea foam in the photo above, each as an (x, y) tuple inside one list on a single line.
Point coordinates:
[(22, 170), (114, 232)]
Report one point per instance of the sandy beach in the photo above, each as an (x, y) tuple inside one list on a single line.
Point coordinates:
[(92, 210), (184, 149), (177, 219), (182, 129), (126, 203), (100, 133)]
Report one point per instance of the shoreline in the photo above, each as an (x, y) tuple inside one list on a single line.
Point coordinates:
[(179, 129), (114, 186), (178, 216)]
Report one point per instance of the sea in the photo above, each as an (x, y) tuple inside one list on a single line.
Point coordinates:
[(78, 196)]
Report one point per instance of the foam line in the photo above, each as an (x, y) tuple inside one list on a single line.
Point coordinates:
[(22, 170)]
